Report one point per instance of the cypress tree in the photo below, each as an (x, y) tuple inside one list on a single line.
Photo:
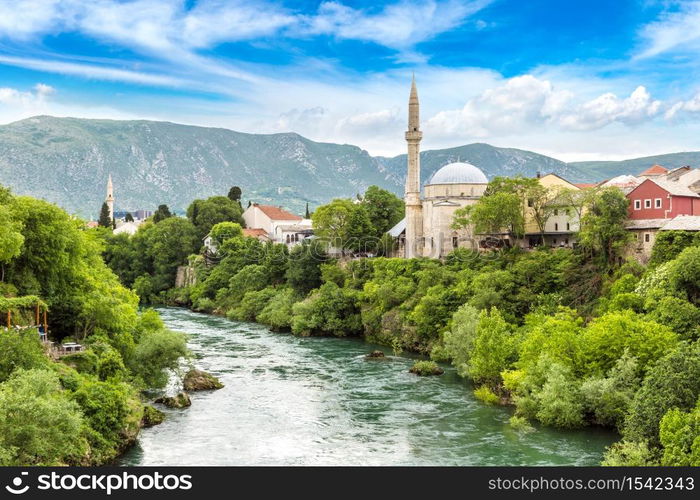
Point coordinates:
[(105, 220)]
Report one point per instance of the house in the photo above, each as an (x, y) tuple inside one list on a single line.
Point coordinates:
[(644, 233), (660, 198), (563, 221), (277, 224), (654, 172), (258, 233)]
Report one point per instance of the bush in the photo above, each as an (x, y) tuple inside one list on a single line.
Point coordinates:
[(673, 382), (679, 315), (560, 403), (157, 352), (113, 413), (608, 337), (684, 276), (252, 304), (520, 424), (629, 454), (426, 368), (486, 395), (39, 425), (680, 437), (459, 339), (277, 314), (328, 311), (20, 350), (608, 399), (494, 348)]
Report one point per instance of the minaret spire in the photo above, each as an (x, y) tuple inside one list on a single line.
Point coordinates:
[(414, 208), (110, 197)]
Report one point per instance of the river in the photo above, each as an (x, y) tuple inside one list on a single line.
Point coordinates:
[(318, 401)]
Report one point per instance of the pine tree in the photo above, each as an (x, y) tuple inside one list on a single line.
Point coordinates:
[(129, 217), (308, 214), (105, 220), (162, 213)]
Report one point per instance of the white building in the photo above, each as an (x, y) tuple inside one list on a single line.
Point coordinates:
[(279, 225)]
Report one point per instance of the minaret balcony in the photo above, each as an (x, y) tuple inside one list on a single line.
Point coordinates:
[(414, 135)]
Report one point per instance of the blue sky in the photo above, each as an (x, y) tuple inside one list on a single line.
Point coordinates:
[(577, 79)]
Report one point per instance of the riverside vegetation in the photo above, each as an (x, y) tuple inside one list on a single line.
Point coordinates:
[(85, 408), (570, 338)]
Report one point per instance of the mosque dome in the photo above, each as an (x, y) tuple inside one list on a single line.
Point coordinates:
[(458, 173)]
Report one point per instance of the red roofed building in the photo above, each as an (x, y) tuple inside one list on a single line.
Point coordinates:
[(662, 199), (276, 223), (654, 171), (256, 233)]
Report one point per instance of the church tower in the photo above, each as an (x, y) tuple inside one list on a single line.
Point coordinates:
[(110, 197), (414, 209)]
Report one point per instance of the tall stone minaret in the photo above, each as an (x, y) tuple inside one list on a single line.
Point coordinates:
[(414, 209), (110, 197)]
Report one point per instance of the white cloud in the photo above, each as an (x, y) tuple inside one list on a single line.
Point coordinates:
[(399, 25), (675, 29), (684, 108)]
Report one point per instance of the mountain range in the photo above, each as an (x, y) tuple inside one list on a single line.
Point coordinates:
[(67, 161)]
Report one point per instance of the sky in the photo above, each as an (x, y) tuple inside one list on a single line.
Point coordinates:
[(576, 80)]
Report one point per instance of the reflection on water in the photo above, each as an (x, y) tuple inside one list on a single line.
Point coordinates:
[(317, 401)]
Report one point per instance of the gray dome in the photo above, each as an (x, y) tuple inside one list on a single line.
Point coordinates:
[(458, 173)]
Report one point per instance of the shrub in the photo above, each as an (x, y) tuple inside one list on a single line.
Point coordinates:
[(606, 339), (157, 352), (673, 382), (251, 305), (520, 424), (560, 403), (277, 314), (20, 349), (426, 368), (685, 274), (629, 454), (679, 433), (328, 311), (494, 348), (486, 395), (39, 424), (608, 399), (679, 315), (459, 339)]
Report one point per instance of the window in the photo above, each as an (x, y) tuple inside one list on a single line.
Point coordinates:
[(454, 242), (637, 204), (568, 212), (566, 241), (646, 237), (647, 203), (657, 203), (554, 241), (556, 211), (568, 226), (529, 202), (556, 226)]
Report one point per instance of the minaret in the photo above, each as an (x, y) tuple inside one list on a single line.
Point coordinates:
[(414, 209), (110, 197)]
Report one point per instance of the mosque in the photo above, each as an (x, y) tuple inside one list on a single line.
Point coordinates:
[(426, 230)]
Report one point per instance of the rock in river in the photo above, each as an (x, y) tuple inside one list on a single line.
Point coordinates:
[(198, 380), (180, 400), (375, 355)]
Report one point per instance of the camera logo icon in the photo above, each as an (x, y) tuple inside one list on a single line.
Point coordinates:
[(16, 488)]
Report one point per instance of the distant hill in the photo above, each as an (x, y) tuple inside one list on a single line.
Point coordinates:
[(67, 161), (600, 170)]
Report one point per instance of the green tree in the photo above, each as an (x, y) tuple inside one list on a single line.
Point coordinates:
[(304, 272), (225, 230), (330, 310), (669, 244), (459, 339), (679, 433), (11, 238), (105, 220), (603, 230), (494, 214), (128, 217), (204, 214), (684, 275), (673, 382), (494, 348), (157, 352), (162, 213), (234, 194), (39, 424), (169, 243), (384, 209), (307, 214), (331, 222)]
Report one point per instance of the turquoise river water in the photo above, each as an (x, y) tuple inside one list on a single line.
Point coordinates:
[(318, 401)]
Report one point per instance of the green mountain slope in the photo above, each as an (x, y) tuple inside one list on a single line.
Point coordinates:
[(67, 161)]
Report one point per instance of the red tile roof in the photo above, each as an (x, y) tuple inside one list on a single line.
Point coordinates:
[(584, 185), (254, 232), (655, 170), (276, 213)]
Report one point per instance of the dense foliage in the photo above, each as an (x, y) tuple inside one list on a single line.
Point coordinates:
[(87, 408)]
